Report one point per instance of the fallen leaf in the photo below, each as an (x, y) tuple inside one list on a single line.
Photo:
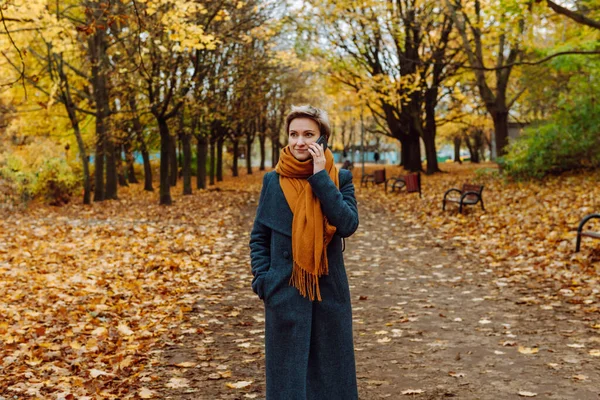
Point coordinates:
[(524, 393), (94, 373), (239, 384), (412, 391), (528, 350), (177, 383), (595, 352), (186, 364), (580, 377), (146, 393)]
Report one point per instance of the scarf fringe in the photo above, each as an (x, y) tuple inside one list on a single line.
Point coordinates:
[(306, 283)]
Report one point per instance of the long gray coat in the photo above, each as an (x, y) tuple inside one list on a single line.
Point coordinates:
[(308, 345)]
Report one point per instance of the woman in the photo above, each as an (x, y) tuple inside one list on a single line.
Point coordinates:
[(305, 209)]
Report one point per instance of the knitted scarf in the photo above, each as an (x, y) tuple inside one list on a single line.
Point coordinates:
[(311, 232)]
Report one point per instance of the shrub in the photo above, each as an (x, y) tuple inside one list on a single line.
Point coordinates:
[(56, 181), (571, 140)]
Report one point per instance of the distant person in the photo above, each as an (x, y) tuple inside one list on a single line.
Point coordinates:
[(347, 165), (306, 207), (376, 157)]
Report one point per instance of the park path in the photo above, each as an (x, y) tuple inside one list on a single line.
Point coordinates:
[(431, 321)]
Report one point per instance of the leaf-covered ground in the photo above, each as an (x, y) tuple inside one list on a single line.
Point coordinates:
[(127, 299)]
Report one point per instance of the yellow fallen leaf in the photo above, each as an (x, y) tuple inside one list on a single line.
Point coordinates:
[(186, 364), (146, 393), (528, 350), (595, 352), (580, 377), (239, 384)]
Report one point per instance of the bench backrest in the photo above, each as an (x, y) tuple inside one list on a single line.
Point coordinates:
[(379, 176), (469, 187), (413, 183)]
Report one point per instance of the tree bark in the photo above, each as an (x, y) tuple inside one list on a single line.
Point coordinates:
[(139, 134), (249, 153), (457, 141), (501, 131), (213, 161), (187, 163), (219, 167), (201, 158), (165, 149), (112, 178), (173, 167), (236, 150), (262, 139)]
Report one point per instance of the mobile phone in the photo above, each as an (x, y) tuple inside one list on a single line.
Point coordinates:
[(322, 140)]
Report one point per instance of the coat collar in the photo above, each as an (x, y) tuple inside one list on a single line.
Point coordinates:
[(274, 212)]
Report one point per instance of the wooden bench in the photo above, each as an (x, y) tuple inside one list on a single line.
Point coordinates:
[(581, 233), (376, 178), (469, 195), (412, 183)]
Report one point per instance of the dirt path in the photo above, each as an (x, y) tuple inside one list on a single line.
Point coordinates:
[(428, 320)]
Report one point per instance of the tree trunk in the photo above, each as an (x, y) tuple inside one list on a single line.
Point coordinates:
[(236, 150), (82, 153), (173, 162), (457, 141), (262, 139), (165, 149), (501, 130), (112, 178), (275, 155), (220, 142), (187, 163), (249, 154), (201, 158), (139, 134), (99, 162), (412, 162), (213, 161)]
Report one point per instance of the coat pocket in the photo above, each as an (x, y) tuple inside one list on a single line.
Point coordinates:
[(267, 284)]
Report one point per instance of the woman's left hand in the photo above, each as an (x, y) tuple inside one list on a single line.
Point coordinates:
[(318, 156)]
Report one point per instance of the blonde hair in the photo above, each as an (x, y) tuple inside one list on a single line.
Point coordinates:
[(310, 112)]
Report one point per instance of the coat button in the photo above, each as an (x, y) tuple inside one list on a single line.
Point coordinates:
[(286, 254)]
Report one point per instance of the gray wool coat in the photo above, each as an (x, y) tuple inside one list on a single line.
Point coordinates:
[(308, 345)]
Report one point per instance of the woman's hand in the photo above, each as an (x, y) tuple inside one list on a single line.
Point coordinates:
[(318, 156)]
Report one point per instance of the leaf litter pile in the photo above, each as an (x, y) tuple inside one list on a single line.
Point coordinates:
[(91, 294), (527, 231)]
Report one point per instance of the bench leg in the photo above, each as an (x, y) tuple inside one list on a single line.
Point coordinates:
[(460, 207), (578, 245), (482, 205), (444, 205)]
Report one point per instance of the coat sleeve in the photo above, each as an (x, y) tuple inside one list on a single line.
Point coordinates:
[(260, 247), (339, 206)]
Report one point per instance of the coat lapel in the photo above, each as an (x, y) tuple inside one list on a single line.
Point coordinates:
[(275, 211)]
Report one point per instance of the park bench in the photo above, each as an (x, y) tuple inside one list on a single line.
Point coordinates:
[(469, 195), (581, 233), (411, 182), (376, 178)]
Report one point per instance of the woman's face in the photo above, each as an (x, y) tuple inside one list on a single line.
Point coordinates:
[(302, 132)]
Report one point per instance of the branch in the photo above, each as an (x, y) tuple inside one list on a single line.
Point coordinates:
[(543, 60), (22, 73), (582, 19)]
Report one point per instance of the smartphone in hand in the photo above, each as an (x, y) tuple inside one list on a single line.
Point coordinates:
[(322, 140)]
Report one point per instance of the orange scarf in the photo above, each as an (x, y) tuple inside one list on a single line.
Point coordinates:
[(311, 232)]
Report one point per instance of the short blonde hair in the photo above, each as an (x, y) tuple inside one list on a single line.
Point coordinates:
[(310, 112)]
